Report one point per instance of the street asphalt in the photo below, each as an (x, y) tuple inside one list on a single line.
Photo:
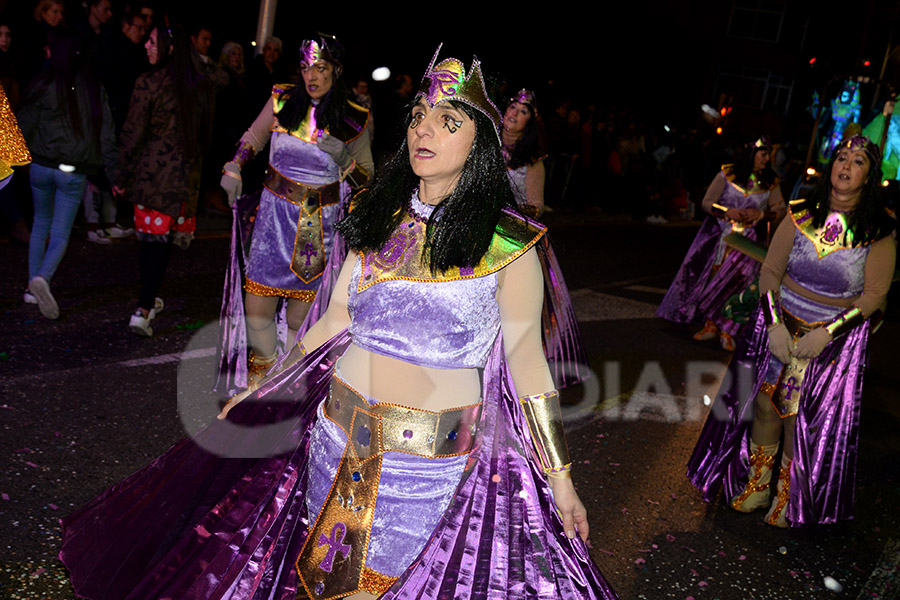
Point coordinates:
[(84, 402)]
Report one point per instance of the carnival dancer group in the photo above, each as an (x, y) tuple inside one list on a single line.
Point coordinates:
[(419, 327)]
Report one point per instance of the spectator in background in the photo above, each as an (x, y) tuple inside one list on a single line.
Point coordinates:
[(161, 145), (8, 66), (145, 9), (201, 38), (233, 114), (265, 72), (361, 93), (99, 14), (69, 129), (48, 16)]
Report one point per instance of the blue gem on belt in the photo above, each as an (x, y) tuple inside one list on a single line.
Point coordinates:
[(363, 436), (451, 435)]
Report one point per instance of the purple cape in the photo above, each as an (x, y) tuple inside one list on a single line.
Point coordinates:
[(193, 525), (823, 473)]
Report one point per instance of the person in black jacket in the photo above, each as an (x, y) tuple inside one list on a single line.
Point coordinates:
[(69, 128)]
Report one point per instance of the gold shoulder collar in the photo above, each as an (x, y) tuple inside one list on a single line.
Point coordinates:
[(356, 118), (755, 186), (834, 235), (402, 257)]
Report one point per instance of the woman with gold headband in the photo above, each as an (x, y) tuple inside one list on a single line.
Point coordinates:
[(796, 377), (320, 150), (395, 458), (738, 199), (521, 150)]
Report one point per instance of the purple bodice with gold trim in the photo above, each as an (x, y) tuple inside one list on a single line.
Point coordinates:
[(443, 324), (839, 274), (301, 161)]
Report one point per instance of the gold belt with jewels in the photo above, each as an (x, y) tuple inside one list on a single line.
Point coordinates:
[(332, 563), (303, 195), (786, 392), (308, 256)]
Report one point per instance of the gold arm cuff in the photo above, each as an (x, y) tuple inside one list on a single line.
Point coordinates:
[(771, 309), (544, 418), (356, 175), (845, 321), (243, 154)]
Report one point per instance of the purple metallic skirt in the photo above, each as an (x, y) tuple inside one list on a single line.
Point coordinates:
[(561, 336), (826, 432), (225, 513), (699, 291)]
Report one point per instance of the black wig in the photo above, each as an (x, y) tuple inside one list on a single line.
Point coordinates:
[(460, 229), (869, 222), (330, 111), (743, 168)]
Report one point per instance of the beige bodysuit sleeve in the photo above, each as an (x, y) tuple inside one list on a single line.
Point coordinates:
[(713, 192), (773, 268), (880, 265), (360, 148), (521, 298), (260, 130)]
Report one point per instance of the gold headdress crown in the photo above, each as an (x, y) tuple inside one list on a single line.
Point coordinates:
[(447, 80)]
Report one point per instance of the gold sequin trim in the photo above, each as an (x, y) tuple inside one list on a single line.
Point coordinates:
[(784, 493), (374, 582), (264, 290), (768, 389)]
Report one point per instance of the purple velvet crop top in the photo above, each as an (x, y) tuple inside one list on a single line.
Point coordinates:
[(449, 321)]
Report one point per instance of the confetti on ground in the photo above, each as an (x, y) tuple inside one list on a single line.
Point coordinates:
[(31, 464), (670, 537), (53, 507), (832, 584), (5, 496)]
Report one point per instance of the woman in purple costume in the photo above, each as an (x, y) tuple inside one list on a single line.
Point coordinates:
[(396, 460), (563, 345), (320, 149), (798, 369), (738, 198)]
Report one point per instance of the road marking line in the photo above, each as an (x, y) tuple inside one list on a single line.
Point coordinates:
[(167, 358)]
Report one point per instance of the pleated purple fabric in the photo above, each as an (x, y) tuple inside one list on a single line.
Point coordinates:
[(823, 473), (563, 344), (223, 515), (697, 293)]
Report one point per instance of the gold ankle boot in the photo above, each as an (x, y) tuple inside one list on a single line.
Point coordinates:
[(756, 493), (257, 367), (778, 510)]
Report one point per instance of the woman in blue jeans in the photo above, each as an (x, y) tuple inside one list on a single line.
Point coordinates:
[(69, 128)]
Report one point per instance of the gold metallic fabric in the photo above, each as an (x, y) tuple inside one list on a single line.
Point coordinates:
[(308, 259), (332, 563), (845, 321), (447, 80), (832, 236), (259, 289), (544, 418), (13, 150), (513, 238), (755, 186), (786, 398)]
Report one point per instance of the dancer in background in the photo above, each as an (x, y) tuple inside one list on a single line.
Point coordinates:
[(563, 344), (796, 377), (319, 150), (739, 198)]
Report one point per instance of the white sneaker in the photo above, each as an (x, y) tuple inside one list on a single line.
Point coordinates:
[(118, 232), (158, 306), (98, 237), (40, 289), (29, 298), (141, 324)]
